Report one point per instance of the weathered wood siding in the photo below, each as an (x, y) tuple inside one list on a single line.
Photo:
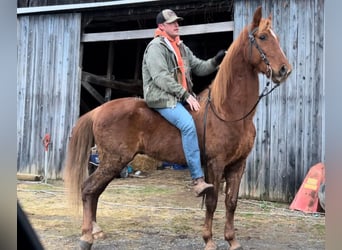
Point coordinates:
[(290, 122), (48, 88)]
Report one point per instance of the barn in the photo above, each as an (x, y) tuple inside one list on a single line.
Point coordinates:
[(75, 55)]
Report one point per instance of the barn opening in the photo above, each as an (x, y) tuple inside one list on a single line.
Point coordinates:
[(114, 40)]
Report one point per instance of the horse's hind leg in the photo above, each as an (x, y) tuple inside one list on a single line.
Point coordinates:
[(233, 176), (97, 231), (92, 188)]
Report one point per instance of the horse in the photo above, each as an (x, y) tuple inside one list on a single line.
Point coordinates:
[(124, 127)]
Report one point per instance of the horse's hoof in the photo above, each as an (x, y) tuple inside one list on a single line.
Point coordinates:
[(85, 245), (236, 248), (99, 235), (210, 246)]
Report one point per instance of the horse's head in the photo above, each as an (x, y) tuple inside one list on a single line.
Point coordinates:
[(264, 51)]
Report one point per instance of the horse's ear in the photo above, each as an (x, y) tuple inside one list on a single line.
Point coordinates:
[(257, 17), (270, 17)]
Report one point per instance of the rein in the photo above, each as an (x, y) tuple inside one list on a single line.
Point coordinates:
[(264, 93)]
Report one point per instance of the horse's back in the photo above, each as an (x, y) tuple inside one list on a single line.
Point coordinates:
[(129, 123), (128, 110), (126, 104)]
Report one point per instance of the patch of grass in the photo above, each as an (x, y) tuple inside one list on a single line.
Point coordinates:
[(320, 228), (268, 205), (139, 190), (37, 186), (246, 215), (264, 205), (155, 190)]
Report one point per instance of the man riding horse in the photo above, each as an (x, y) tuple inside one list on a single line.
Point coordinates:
[(166, 69)]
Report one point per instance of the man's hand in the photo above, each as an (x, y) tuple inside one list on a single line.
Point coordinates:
[(194, 104), (219, 56)]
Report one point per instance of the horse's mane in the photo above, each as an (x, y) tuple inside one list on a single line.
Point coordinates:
[(224, 76)]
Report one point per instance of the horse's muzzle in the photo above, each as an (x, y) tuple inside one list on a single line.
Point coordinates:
[(281, 74)]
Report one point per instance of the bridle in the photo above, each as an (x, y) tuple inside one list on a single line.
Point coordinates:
[(252, 41), (265, 92)]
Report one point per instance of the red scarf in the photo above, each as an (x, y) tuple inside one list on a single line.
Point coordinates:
[(175, 44)]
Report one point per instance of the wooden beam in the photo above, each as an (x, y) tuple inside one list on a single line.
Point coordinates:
[(110, 61), (148, 33), (79, 6), (29, 177), (137, 64), (132, 87), (84, 106), (93, 92)]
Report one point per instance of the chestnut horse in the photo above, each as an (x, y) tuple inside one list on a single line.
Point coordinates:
[(125, 127)]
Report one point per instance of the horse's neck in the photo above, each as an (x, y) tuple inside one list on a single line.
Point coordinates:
[(236, 84)]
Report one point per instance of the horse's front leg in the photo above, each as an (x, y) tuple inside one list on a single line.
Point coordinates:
[(211, 204), (233, 176)]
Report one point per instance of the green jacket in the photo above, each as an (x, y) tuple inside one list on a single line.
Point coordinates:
[(160, 73)]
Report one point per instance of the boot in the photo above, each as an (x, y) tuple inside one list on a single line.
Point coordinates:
[(201, 187)]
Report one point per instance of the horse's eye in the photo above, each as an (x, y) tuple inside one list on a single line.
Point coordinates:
[(262, 37)]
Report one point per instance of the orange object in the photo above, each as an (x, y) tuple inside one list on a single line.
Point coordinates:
[(46, 141), (306, 199)]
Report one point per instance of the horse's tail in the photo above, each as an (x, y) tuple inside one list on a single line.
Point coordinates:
[(75, 169)]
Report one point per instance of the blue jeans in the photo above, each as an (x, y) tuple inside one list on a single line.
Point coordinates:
[(182, 119)]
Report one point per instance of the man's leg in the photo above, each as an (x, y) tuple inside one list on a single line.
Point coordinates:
[(182, 119)]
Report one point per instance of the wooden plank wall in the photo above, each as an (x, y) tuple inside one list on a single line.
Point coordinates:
[(48, 85), (290, 122)]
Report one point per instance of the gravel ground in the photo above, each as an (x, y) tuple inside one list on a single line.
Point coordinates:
[(159, 212)]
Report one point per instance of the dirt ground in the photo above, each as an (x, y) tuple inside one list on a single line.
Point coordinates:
[(160, 212)]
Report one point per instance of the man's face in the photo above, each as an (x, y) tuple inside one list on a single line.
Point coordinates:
[(172, 29)]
